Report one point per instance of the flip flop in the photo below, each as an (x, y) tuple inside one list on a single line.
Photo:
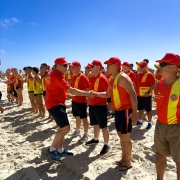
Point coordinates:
[(118, 163), (124, 168)]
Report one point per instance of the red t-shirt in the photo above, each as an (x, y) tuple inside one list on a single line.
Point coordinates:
[(168, 102), (132, 75), (82, 84), (144, 86), (56, 87), (102, 87)]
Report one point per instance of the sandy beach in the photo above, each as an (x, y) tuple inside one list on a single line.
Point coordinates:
[(24, 138)]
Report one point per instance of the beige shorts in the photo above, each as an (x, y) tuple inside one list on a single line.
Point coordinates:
[(167, 140)]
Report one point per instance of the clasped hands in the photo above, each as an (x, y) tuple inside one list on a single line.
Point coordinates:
[(92, 94)]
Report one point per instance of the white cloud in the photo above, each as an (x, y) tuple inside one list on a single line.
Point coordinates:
[(2, 51), (9, 22)]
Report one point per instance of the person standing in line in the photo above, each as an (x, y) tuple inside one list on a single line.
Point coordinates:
[(124, 102), (79, 103), (98, 106)]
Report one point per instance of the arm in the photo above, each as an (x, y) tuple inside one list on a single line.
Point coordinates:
[(128, 86), (102, 94), (77, 92), (39, 79)]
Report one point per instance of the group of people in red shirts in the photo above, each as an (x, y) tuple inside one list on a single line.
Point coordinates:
[(128, 93)]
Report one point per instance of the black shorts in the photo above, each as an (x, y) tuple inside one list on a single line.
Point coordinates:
[(144, 103), (122, 122), (98, 115), (44, 93), (109, 100), (60, 116), (79, 109), (14, 92), (19, 87), (30, 91), (38, 94)]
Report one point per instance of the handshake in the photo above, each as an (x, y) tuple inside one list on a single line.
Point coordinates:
[(92, 94)]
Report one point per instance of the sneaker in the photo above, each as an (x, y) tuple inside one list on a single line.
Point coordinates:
[(84, 138), (75, 133), (149, 126), (91, 142), (65, 153), (53, 155), (105, 149), (139, 123)]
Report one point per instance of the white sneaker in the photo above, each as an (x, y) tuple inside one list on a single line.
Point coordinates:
[(75, 133), (84, 138)]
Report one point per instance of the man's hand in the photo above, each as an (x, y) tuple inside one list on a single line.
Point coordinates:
[(134, 118)]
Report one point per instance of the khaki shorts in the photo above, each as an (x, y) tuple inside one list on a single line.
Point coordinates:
[(167, 140)]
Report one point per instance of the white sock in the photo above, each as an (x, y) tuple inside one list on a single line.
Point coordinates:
[(106, 144), (95, 138), (51, 149), (60, 150), (77, 130), (140, 120)]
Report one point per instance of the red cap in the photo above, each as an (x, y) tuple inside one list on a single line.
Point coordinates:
[(76, 63), (142, 64), (48, 67), (171, 59), (61, 60), (113, 60), (126, 64), (8, 69), (70, 65), (88, 66), (96, 63)]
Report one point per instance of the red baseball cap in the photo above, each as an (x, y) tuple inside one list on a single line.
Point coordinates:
[(8, 69), (171, 59), (126, 64), (113, 60), (142, 64), (76, 63), (61, 60), (96, 63), (88, 66)]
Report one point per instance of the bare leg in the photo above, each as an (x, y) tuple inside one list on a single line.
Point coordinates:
[(58, 139), (149, 115), (85, 125), (160, 165), (105, 132), (140, 114), (96, 131)]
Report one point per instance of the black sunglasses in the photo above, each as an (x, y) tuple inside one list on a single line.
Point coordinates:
[(64, 65), (164, 64)]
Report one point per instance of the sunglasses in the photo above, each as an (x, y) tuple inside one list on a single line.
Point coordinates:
[(41, 67), (64, 65), (164, 64), (109, 65)]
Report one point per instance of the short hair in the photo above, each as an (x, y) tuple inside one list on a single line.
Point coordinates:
[(131, 65), (24, 68), (44, 64), (35, 69), (146, 60)]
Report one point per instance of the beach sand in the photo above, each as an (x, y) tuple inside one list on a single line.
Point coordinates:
[(24, 138)]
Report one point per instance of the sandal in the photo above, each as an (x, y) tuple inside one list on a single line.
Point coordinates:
[(118, 163), (124, 168)]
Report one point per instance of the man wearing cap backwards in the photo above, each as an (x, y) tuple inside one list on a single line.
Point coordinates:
[(167, 131), (56, 88), (144, 83), (124, 102), (79, 103), (127, 69), (98, 106)]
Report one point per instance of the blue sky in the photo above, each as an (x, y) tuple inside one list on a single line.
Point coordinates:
[(33, 32)]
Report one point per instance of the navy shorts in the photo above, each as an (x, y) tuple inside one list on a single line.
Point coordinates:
[(60, 116), (144, 103), (122, 122), (98, 115), (79, 109)]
